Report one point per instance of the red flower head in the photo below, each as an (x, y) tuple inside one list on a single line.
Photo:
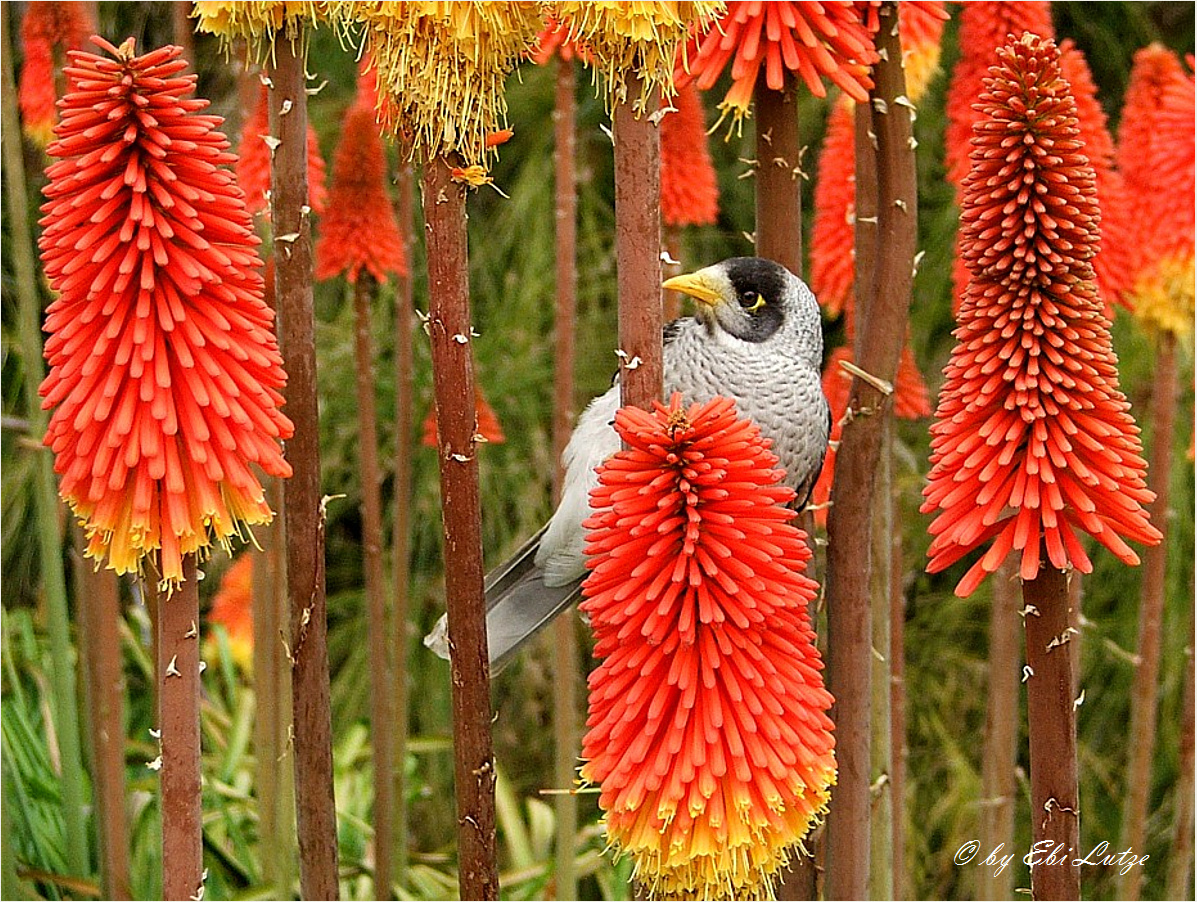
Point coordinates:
[(1155, 155), (833, 239), (46, 27), (489, 428), (708, 730), (360, 230), (164, 370), (232, 608), (689, 190), (812, 40), (1033, 439), (253, 167)]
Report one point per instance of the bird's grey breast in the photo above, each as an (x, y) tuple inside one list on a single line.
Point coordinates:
[(772, 382)]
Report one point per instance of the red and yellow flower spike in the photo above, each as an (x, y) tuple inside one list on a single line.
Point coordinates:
[(444, 65), (813, 40), (634, 37), (708, 729), (164, 369), (46, 26), (360, 231), (253, 162), (1033, 440), (1155, 155), (689, 188)]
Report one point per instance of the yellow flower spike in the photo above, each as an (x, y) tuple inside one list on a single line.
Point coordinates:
[(639, 37), (442, 67)]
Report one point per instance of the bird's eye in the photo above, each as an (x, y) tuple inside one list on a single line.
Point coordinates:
[(751, 301)]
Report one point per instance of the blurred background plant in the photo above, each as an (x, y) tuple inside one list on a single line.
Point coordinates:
[(512, 285)]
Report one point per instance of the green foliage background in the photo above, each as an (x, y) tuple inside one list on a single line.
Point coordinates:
[(511, 258)]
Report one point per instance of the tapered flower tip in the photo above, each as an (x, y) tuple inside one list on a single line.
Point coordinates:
[(1033, 441), (689, 187), (1155, 155), (638, 38), (488, 429), (442, 66), (253, 164), (983, 28), (232, 609), (708, 732), (360, 231), (164, 370), (255, 20), (811, 40), (46, 26)]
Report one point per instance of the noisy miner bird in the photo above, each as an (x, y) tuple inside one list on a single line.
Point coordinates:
[(756, 338)]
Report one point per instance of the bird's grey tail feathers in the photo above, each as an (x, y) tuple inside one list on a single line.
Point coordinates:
[(518, 605)]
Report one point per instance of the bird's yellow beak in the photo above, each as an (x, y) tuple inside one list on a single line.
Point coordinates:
[(698, 285)]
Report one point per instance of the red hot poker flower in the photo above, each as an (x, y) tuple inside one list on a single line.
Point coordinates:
[(708, 731), (812, 40), (490, 430), (360, 231), (164, 370), (253, 166), (1033, 440), (689, 189), (46, 26), (1155, 154), (232, 608)]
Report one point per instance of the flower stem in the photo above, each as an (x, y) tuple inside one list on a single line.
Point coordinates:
[(49, 536), (303, 507), (564, 634), (883, 301), (1180, 861), (179, 723), (1000, 749), (100, 637), (453, 386), (1145, 688), (1051, 727), (382, 716), (638, 250), (401, 540), (778, 176)]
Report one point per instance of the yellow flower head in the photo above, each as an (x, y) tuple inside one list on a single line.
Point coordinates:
[(255, 20), (638, 37), (441, 66)]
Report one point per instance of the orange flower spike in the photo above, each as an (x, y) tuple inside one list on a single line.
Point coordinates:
[(812, 40), (253, 167), (165, 374), (232, 608), (360, 231), (921, 25), (689, 188), (46, 25), (708, 732), (553, 41), (1033, 439), (1155, 154), (983, 28)]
